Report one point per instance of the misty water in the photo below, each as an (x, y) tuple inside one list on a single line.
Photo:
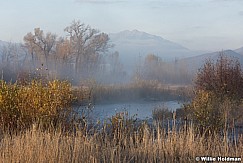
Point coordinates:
[(140, 110)]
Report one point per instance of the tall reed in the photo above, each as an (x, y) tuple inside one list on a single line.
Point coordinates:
[(145, 144)]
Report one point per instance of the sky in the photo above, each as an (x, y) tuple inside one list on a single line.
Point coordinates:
[(196, 24)]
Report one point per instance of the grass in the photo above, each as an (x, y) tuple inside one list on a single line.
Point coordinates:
[(144, 145)]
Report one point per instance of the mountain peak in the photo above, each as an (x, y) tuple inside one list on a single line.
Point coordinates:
[(135, 30), (132, 44), (133, 35)]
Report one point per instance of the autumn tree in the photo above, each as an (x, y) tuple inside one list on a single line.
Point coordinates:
[(80, 51), (63, 50), (40, 44), (86, 44)]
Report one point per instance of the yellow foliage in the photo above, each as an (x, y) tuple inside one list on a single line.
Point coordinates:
[(20, 106), (206, 110)]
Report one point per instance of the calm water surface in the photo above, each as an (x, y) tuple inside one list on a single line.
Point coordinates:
[(141, 110)]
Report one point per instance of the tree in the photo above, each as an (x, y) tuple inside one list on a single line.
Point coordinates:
[(86, 44), (9, 53), (80, 50), (63, 50), (151, 67), (40, 44)]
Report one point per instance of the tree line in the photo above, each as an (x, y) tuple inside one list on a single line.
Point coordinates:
[(82, 53), (154, 68)]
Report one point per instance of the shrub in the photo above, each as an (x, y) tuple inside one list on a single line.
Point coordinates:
[(205, 111), (21, 106), (223, 78), (218, 94)]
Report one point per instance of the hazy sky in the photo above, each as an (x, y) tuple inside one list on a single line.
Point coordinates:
[(195, 24)]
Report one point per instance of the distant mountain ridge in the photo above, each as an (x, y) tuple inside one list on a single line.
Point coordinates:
[(194, 63), (136, 42), (141, 36)]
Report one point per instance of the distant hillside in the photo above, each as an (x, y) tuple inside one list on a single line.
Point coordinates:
[(194, 63), (240, 50)]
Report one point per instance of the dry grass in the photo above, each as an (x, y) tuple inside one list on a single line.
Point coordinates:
[(149, 145)]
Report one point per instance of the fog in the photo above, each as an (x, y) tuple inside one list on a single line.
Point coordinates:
[(88, 54), (17, 63)]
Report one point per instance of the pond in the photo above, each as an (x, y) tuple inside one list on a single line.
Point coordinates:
[(141, 109)]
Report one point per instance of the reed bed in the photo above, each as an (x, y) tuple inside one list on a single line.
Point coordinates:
[(143, 145), (133, 91)]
